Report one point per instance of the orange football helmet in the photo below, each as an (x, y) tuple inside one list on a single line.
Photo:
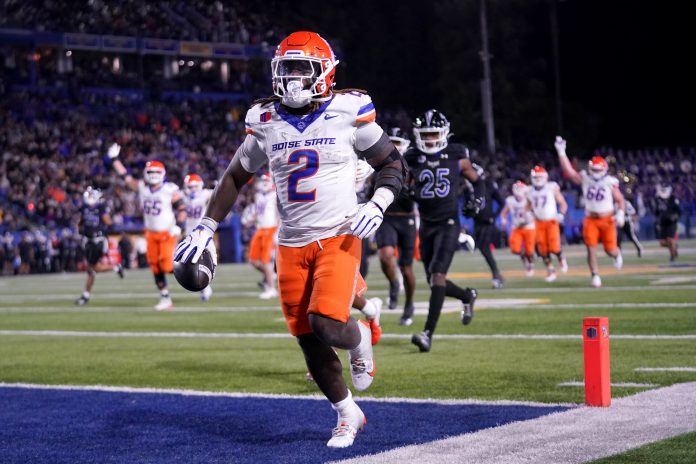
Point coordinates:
[(193, 183), (598, 167), (154, 172), (303, 69), (539, 176)]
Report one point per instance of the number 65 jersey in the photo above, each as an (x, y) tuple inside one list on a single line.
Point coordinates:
[(158, 214), (312, 159)]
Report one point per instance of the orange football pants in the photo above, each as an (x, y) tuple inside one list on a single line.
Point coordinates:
[(261, 245), (521, 236), (319, 278), (160, 251), (548, 237), (603, 229)]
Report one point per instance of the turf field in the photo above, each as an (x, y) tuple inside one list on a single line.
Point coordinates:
[(522, 353)]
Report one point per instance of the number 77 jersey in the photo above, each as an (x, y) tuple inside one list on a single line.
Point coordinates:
[(312, 159)]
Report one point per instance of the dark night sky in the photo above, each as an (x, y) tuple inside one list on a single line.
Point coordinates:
[(625, 65)]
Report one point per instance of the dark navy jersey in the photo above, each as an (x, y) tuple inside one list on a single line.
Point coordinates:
[(666, 209), (92, 224), (435, 181)]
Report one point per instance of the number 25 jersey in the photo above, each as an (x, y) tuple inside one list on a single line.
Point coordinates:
[(436, 181), (312, 159)]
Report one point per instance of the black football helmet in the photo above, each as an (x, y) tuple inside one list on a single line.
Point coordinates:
[(399, 139), (431, 131)]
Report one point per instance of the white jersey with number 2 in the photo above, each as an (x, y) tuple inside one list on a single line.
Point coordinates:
[(312, 160)]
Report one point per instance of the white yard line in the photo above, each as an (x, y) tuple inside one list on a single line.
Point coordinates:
[(574, 436), (665, 369), (576, 383), (184, 392), (74, 333)]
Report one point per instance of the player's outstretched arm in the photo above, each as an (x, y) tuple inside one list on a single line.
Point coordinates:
[(566, 165), (113, 152), (504, 216)]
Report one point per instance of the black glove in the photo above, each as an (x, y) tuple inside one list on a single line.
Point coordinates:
[(473, 206)]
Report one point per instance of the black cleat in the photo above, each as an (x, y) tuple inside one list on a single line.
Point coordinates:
[(422, 340), (468, 306), (120, 272), (393, 294), (82, 301)]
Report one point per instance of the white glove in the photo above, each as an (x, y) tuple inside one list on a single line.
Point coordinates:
[(368, 218), (362, 171), (175, 231), (114, 151), (620, 218), (560, 145), (560, 218), (467, 241), (191, 248)]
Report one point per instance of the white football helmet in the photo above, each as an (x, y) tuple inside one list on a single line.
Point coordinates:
[(598, 167), (264, 183), (663, 191), (519, 189), (193, 183), (431, 131), (92, 196)]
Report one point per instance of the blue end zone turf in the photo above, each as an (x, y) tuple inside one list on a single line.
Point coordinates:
[(69, 426)]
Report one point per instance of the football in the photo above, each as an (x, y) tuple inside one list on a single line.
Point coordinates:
[(195, 277)]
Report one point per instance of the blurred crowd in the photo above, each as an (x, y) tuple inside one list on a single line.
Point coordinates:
[(194, 20)]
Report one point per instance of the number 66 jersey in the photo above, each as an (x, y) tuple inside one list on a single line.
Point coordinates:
[(597, 193), (312, 159)]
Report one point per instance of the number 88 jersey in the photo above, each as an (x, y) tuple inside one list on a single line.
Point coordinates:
[(435, 181), (597, 193)]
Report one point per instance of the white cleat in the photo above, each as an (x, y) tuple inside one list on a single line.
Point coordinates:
[(596, 281), (165, 304), (618, 261), (347, 427), (361, 360), (269, 293), (564, 265), (529, 271), (551, 277), (206, 293)]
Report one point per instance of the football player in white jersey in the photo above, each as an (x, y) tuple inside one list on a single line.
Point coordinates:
[(311, 137), (522, 232), (549, 208), (164, 215), (604, 207), (263, 214), (196, 198)]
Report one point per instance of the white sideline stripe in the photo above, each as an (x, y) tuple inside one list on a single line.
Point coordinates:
[(575, 383), (492, 305), (313, 396), (74, 333), (578, 435), (665, 369)]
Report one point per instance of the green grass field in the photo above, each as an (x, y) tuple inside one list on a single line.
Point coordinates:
[(238, 343)]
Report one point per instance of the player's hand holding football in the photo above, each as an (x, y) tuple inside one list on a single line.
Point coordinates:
[(191, 248)]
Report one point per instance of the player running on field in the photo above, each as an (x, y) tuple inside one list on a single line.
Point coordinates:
[(549, 208), (603, 201), (522, 234), (95, 219), (164, 215), (311, 136), (196, 198)]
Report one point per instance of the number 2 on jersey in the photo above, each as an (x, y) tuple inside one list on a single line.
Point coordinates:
[(311, 160)]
